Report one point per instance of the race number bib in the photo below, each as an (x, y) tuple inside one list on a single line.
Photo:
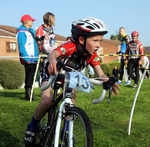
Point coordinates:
[(79, 81)]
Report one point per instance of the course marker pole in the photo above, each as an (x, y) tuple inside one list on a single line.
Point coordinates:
[(37, 66), (133, 105)]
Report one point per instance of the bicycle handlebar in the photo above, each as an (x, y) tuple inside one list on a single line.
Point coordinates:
[(104, 92), (49, 83), (52, 78), (106, 85), (97, 82)]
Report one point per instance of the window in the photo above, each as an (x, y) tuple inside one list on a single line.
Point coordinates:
[(11, 46)]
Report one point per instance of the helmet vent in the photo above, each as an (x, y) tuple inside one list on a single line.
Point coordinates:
[(80, 24), (96, 25), (89, 27)]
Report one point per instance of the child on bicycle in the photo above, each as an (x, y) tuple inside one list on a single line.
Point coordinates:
[(77, 52)]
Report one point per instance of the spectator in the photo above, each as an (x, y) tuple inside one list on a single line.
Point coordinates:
[(134, 48), (46, 30), (48, 44), (145, 65), (124, 42), (27, 48), (115, 72)]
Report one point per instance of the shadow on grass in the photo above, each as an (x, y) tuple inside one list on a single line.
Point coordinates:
[(130, 86), (17, 95), (7, 140), (13, 94)]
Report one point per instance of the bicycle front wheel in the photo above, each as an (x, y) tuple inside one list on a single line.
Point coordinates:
[(82, 135), (79, 133), (82, 131)]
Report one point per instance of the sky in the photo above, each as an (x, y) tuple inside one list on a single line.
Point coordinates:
[(133, 15)]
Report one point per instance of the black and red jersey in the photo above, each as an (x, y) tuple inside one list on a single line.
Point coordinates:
[(135, 48), (48, 44), (70, 50)]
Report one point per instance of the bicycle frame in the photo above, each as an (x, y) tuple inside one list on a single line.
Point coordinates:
[(56, 121), (60, 115)]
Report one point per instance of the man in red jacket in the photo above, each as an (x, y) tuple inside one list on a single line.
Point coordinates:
[(134, 49)]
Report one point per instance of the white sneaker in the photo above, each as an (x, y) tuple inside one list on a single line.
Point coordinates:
[(135, 85)]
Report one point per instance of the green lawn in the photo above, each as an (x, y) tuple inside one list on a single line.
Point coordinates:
[(109, 121)]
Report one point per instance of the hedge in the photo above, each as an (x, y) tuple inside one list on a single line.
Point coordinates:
[(108, 67), (12, 74)]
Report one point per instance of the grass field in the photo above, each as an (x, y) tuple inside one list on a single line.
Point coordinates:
[(109, 121)]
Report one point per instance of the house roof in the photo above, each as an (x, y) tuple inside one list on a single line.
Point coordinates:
[(8, 28), (4, 33), (10, 31)]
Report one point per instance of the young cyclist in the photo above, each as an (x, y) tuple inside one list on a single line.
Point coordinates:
[(125, 40), (48, 43), (135, 47), (80, 50)]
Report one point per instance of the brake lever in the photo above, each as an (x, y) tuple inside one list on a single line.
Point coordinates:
[(110, 90)]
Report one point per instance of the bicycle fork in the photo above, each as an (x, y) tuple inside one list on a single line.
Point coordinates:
[(59, 119)]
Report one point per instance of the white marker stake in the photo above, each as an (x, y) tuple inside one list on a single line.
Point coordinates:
[(133, 105), (37, 66)]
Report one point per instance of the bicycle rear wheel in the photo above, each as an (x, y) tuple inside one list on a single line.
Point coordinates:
[(82, 131)]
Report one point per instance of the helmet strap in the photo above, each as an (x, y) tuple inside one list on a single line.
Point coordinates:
[(84, 46)]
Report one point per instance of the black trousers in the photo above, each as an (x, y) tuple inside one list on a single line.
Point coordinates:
[(122, 64), (121, 69), (147, 74), (29, 75), (133, 65)]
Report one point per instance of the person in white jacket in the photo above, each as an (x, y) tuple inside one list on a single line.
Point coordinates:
[(145, 65)]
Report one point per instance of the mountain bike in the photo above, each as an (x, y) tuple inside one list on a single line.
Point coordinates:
[(50, 132), (43, 61)]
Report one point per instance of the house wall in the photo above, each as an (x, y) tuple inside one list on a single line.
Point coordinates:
[(3, 51), (109, 49), (147, 51)]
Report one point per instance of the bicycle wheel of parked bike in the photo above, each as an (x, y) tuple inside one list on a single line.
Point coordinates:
[(82, 131)]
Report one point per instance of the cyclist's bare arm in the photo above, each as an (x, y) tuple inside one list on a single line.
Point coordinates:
[(52, 62), (99, 72)]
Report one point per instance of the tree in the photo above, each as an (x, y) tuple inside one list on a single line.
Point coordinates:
[(116, 37)]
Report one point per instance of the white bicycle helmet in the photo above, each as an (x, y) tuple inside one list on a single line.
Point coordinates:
[(88, 27)]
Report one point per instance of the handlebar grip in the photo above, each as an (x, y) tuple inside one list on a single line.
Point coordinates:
[(101, 97), (110, 83), (97, 82), (49, 83), (60, 65), (52, 78)]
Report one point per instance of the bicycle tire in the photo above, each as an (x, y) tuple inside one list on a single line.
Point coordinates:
[(40, 73), (42, 129), (82, 131)]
